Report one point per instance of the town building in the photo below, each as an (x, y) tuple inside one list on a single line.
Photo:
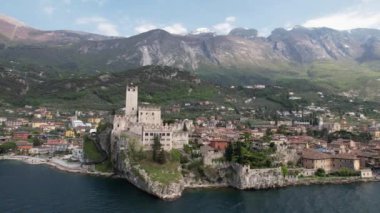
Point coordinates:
[(312, 159)]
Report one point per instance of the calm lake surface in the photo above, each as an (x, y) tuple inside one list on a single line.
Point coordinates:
[(38, 188)]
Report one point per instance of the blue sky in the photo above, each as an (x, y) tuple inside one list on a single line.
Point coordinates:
[(129, 17)]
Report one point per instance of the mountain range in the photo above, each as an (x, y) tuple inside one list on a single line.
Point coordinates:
[(343, 61)]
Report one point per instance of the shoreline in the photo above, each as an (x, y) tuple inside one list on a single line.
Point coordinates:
[(54, 164)]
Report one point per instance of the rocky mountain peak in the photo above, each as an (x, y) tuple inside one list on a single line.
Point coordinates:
[(244, 33)]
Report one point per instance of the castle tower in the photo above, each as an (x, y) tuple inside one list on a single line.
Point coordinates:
[(131, 100)]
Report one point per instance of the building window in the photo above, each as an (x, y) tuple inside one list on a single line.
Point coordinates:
[(151, 134), (146, 134), (167, 134)]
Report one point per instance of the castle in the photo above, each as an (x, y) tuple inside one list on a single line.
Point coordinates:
[(143, 123)]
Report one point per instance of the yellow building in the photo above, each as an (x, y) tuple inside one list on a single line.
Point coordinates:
[(70, 134), (38, 124), (375, 134), (94, 120)]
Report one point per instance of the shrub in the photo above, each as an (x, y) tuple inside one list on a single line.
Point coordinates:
[(345, 172), (8, 146), (284, 170), (320, 172), (175, 155)]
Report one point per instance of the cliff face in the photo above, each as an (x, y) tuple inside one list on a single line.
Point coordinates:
[(138, 177), (246, 178), (241, 177), (103, 140)]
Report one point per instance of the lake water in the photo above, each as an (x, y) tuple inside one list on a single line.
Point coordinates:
[(38, 188)]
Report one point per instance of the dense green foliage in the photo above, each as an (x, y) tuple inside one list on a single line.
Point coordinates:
[(156, 149), (320, 172), (8, 147), (105, 166), (242, 153), (90, 150), (36, 141), (360, 137), (355, 136), (345, 172), (284, 170)]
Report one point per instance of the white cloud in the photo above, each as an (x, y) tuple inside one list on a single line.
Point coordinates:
[(103, 26), (48, 9), (176, 29), (145, 27), (288, 26), (226, 26), (264, 32), (201, 30), (346, 20), (107, 29)]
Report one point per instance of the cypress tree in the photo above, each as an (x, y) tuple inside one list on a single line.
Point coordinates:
[(162, 157), (156, 147)]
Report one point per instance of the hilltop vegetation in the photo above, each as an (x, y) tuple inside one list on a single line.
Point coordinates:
[(168, 86), (158, 85)]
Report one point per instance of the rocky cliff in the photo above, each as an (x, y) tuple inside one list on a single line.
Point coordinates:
[(240, 177), (246, 178), (140, 178)]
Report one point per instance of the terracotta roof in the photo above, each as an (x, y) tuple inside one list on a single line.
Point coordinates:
[(314, 155), (345, 156)]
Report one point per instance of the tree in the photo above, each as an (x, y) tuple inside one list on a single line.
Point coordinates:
[(161, 158), (284, 170), (282, 129), (184, 127), (2, 128), (36, 141), (364, 137), (239, 150), (156, 147), (247, 137), (267, 136), (320, 172), (229, 152), (8, 146)]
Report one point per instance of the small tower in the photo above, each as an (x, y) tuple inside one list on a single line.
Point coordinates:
[(131, 100), (320, 123)]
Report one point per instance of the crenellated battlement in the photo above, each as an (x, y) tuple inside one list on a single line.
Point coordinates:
[(149, 108), (145, 122)]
